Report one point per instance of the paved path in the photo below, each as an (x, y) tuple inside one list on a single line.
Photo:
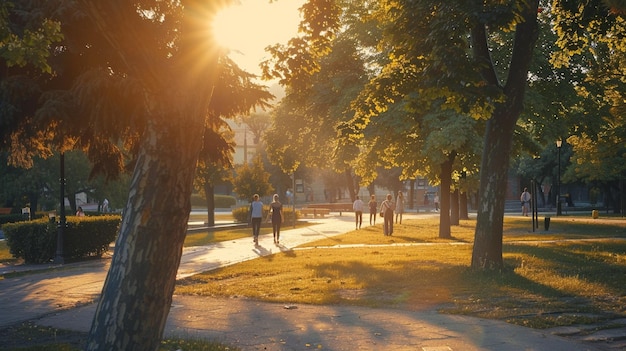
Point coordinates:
[(63, 297)]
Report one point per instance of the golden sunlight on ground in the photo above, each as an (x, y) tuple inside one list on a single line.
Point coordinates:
[(248, 28)]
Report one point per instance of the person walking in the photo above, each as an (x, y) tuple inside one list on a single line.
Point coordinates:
[(256, 217), (80, 212), (436, 201), (525, 199), (373, 205), (357, 206), (386, 211), (276, 210), (399, 207)]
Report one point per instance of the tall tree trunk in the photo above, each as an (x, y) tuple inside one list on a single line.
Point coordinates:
[(350, 183), (138, 289), (209, 194), (487, 251), (137, 292), (444, 199), (463, 214)]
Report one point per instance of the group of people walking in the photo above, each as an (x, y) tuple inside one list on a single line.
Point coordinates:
[(275, 215), (387, 209)]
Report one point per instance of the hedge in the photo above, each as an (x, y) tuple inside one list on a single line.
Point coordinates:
[(35, 241)]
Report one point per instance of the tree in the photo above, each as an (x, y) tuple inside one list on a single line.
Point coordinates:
[(591, 39), (308, 119), (163, 52), (250, 180), (235, 94)]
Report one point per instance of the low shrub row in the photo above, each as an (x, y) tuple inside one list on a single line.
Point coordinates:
[(35, 241)]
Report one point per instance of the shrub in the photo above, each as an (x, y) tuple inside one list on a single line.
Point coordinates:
[(35, 241), (12, 218)]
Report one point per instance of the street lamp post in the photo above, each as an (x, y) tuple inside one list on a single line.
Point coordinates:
[(58, 259), (559, 143)]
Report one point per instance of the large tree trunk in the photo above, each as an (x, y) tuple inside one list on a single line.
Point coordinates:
[(487, 251), (137, 293), (463, 214), (138, 289), (350, 184)]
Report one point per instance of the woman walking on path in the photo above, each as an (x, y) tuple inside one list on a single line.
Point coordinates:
[(357, 206), (386, 211), (399, 206), (256, 216), (373, 205), (276, 209)]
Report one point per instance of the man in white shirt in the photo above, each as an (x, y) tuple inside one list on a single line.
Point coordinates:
[(525, 199), (357, 206), (256, 217)]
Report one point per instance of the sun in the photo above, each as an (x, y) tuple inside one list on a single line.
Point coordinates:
[(246, 29)]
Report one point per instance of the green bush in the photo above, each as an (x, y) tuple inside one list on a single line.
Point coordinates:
[(242, 214), (12, 218), (35, 241)]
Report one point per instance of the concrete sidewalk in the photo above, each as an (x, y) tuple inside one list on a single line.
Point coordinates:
[(64, 297)]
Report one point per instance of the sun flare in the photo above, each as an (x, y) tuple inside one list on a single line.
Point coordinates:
[(246, 29)]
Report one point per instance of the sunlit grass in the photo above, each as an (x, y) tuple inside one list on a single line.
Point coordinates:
[(543, 284)]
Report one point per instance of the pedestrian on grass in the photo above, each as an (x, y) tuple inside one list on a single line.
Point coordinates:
[(276, 210), (436, 201), (386, 211), (373, 205), (399, 207), (256, 217), (80, 212), (525, 199), (357, 206)]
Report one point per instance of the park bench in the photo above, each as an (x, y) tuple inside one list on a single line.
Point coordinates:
[(321, 212), (334, 207), (5, 210)]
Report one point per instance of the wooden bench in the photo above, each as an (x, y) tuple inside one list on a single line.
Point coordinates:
[(335, 207), (5, 210), (321, 212)]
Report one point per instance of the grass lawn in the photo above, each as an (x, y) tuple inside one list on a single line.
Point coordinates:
[(576, 273)]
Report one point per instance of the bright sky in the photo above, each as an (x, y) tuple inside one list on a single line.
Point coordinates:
[(255, 24)]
